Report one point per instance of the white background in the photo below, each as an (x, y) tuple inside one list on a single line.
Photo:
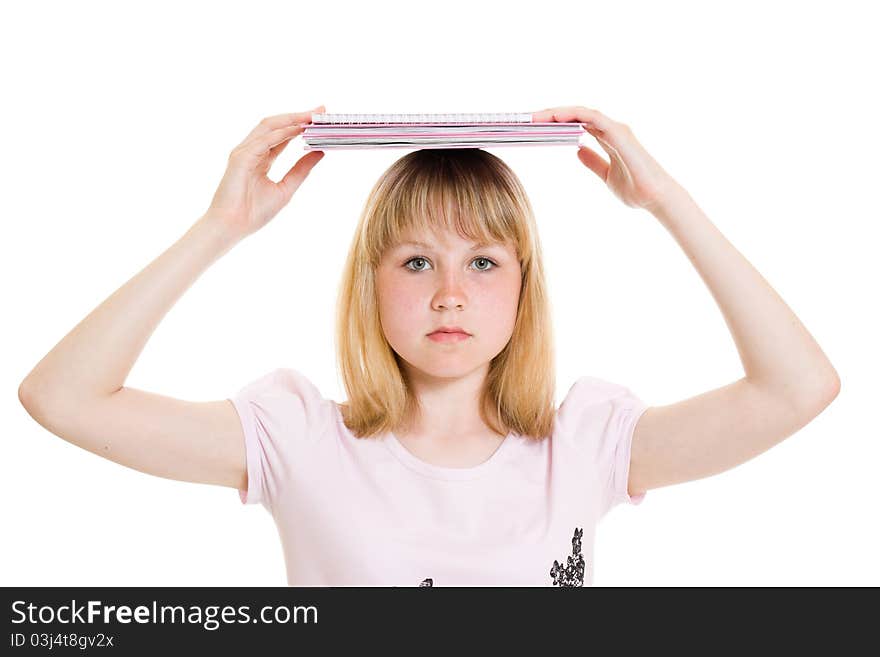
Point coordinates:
[(116, 126)]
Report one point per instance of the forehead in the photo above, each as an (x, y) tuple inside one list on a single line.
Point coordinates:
[(443, 239)]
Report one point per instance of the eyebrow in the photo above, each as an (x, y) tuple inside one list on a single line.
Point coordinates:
[(428, 246)]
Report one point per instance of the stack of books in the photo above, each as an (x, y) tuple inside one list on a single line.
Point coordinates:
[(349, 131)]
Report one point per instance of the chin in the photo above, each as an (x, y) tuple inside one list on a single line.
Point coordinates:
[(451, 368)]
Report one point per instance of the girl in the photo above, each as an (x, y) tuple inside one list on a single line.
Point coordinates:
[(448, 464)]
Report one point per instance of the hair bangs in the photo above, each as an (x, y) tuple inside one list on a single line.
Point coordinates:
[(431, 191)]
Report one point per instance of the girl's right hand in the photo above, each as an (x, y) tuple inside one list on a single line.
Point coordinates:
[(247, 199)]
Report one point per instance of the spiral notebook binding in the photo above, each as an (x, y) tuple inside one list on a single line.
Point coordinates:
[(483, 117)]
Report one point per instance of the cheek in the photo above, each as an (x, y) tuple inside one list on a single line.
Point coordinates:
[(502, 297), (399, 304), (397, 293)]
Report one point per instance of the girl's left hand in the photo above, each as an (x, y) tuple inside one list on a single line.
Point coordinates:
[(633, 175)]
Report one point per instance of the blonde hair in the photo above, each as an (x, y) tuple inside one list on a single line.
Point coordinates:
[(474, 193)]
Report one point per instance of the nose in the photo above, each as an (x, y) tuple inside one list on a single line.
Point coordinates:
[(450, 294)]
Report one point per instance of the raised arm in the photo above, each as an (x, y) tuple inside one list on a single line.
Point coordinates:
[(77, 390), (788, 379)]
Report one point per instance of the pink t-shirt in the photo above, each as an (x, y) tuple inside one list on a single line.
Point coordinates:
[(367, 512)]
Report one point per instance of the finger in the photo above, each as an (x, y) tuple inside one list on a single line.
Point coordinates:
[(280, 120), (573, 114), (619, 142), (298, 172), (593, 161), (604, 138), (259, 146), (275, 151)]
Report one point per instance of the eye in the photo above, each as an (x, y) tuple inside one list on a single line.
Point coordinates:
[(479, 259), (486, 260), (414, 260)]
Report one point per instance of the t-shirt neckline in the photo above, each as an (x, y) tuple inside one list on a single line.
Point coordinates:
[(413, 462), (391, 441)]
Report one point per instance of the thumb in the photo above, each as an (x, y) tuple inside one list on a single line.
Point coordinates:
[(593, 161), (298, 172)]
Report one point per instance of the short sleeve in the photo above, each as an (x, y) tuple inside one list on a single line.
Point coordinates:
[(600, 418), (281, 414)]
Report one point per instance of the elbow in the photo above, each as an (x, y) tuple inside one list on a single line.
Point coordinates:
[(806, 397), (32, 398), (833, 387), (823, 393), (830, 385), (27, 397)]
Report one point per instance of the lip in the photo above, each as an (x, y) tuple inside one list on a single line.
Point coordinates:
[(450, 329), (453, 336)]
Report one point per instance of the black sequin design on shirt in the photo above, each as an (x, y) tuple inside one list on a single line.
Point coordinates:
[(573, 573), (427, 582)]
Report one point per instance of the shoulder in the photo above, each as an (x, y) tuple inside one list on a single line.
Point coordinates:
[(591, 391), (594, 407), (282, 381), (285, 396)]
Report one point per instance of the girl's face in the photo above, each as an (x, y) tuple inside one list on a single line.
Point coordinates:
[(450, 282)]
